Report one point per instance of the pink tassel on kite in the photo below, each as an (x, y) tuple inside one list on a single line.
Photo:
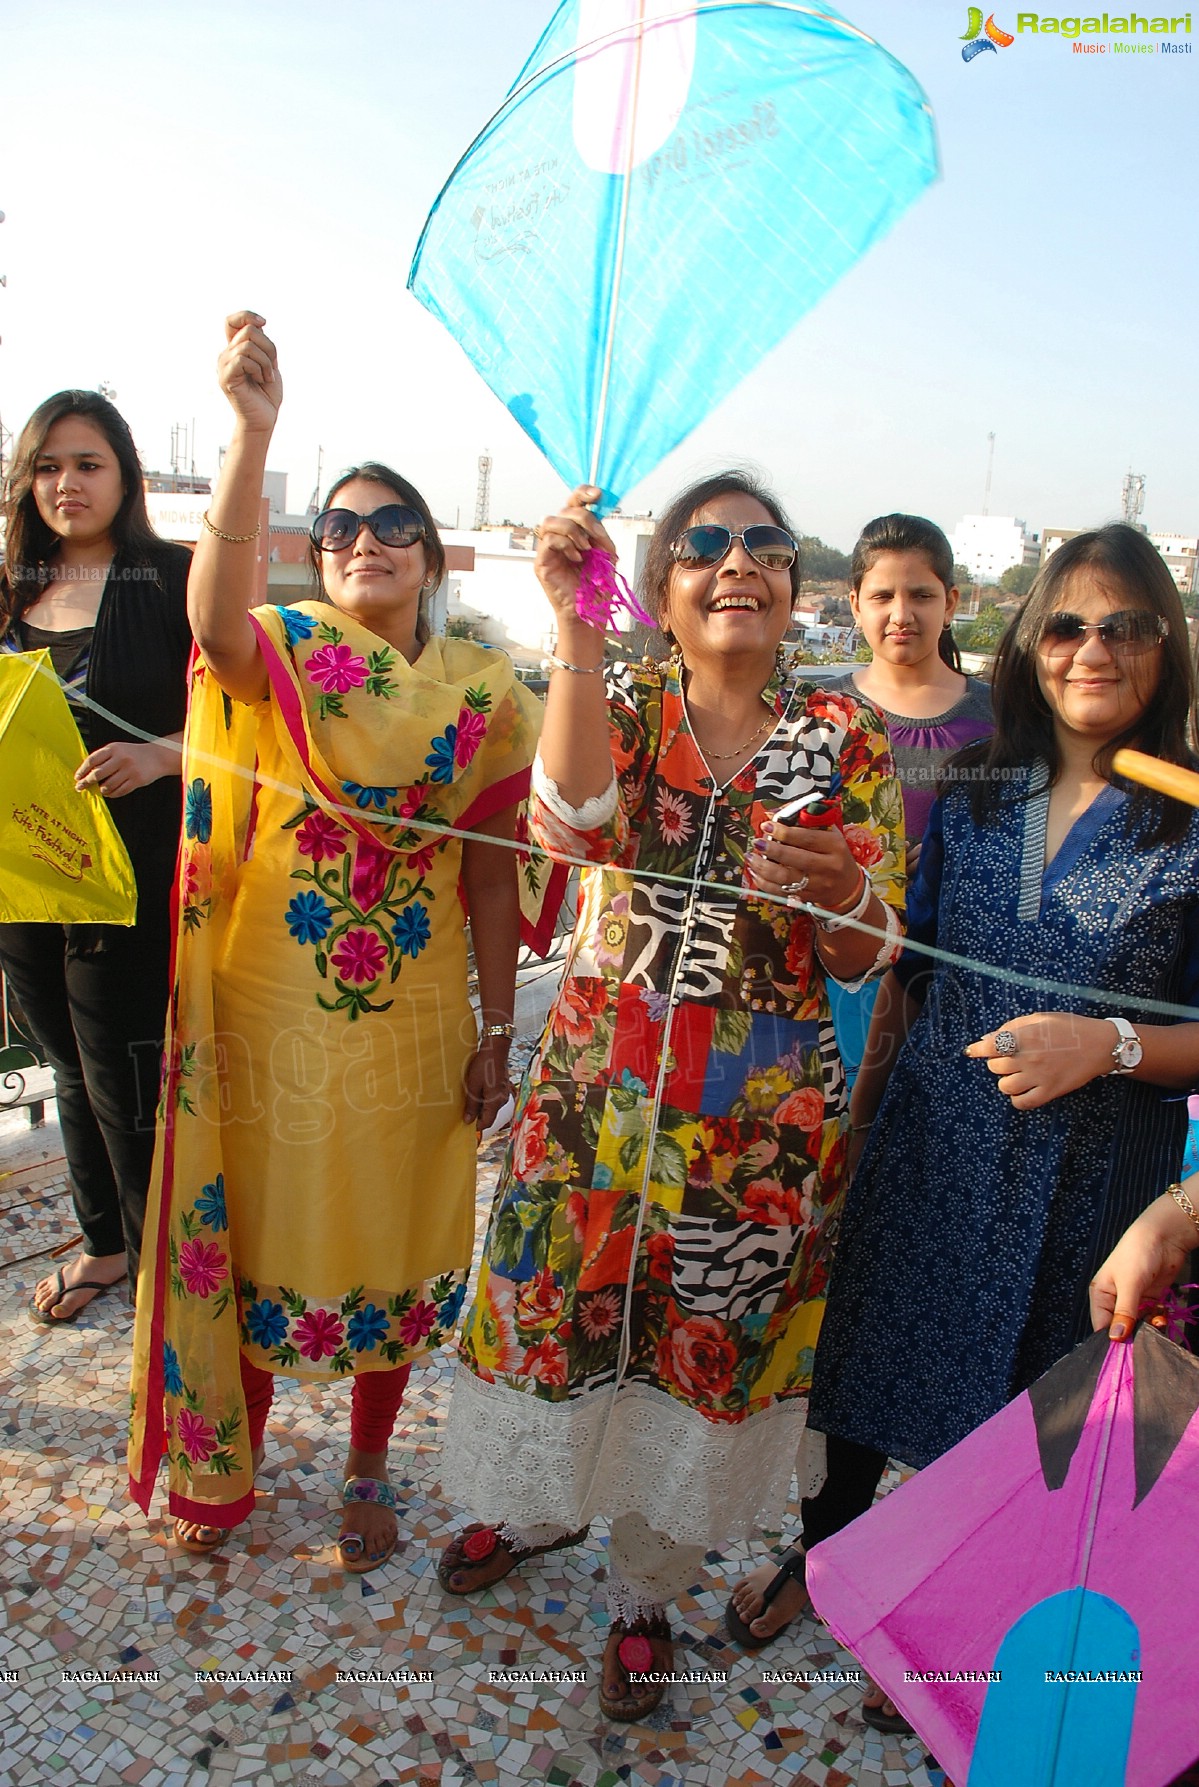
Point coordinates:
[(603, 592)]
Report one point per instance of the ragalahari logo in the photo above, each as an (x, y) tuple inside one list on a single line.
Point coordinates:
[(979, 37)]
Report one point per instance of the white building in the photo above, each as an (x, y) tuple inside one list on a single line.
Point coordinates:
[(1181, 553), (989, 545)]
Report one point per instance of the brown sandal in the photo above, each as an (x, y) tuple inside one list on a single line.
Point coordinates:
[(635, 1656), (479, 1544), (200, 1547)]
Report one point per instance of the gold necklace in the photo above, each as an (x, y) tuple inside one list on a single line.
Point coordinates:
[(723, 756)]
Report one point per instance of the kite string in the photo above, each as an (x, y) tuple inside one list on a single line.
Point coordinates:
[(1108, 997)]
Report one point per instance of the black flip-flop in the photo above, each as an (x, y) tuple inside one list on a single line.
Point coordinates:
[(791, 1569), (893, 1724), (45, 1319)]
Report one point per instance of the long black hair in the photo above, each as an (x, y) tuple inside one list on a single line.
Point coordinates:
[(1121, 559), (30, 546), (908, 533)]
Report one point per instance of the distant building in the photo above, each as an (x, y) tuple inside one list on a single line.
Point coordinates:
[(1180, 551), (989, 545), (1053, 537)]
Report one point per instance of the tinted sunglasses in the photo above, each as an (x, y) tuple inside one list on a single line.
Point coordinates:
[(1125, 635), (392, 525), (706, 544)]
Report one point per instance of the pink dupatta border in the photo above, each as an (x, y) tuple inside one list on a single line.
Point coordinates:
[(141, 1487)]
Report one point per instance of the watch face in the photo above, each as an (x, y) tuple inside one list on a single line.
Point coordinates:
[(1128, 1052)]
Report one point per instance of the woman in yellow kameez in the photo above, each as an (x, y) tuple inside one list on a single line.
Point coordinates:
[(312, 1209)]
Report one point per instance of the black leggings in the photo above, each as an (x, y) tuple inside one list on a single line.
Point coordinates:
[(854, 1474), (99, 1018)]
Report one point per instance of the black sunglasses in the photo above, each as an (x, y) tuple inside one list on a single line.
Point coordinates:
[(1126, 635), (392, 525), (706, 544)]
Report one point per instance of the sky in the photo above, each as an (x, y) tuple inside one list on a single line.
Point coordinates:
[(162, 164)]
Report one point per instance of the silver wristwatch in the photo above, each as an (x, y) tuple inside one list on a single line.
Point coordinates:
[(1128, 1051)]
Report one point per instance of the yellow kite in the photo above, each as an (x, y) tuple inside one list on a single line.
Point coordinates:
[(62, 860)]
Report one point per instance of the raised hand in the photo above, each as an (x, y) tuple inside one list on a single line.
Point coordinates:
[(248, 372), (561, 542)]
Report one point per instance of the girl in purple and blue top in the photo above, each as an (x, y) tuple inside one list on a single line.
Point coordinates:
[(904, 598)]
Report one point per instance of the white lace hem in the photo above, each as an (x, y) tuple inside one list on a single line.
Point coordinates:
[(594, 812), (511, 1456)]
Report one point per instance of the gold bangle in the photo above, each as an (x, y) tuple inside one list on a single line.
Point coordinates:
[(233, 539), (1184, 1203), (508, 1031)]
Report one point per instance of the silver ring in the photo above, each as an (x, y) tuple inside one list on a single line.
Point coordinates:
[(1007, 1042), (790, 887)]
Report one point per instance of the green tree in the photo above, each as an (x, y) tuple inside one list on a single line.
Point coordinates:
[(1017, 580), (819, 563), (984, 633), (961, 576)]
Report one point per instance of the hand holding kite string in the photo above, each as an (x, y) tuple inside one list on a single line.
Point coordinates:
[(1142, 1265), (248, 371), (567, 544), (119, 768)]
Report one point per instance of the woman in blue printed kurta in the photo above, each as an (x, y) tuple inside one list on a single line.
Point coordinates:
[(991, 1187)]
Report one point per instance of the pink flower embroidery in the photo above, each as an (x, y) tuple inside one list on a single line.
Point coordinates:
[(673, 817), (202, 1267), (471, 730), (413, 801), (422, 860), (196, 1437), (417, 1323), (359, 956), (336, 669), (318, 1334), (369, 875), (321, 838)]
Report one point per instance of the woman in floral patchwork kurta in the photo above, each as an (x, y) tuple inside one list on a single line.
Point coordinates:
[(313, 1205), (653, 1277)]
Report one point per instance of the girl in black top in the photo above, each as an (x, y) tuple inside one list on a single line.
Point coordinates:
[(86, 576)]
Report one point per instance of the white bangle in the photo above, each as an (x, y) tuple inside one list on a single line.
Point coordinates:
[(839, 920)]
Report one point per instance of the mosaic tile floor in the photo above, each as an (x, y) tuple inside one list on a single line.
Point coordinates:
[(88, 1584)]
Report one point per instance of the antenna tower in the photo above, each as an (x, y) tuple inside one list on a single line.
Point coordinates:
[(1133, 499), (990, 466), (483, 491)]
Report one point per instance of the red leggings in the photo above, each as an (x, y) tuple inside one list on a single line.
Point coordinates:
[(374, 1404)]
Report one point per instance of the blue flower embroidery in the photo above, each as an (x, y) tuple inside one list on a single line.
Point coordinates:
[(628, 1079), (366, 1328), (172, 1377), (309, 918), (411, 930), (211, 1204), (266, 1322), (370, 797), (447, 1312), (441, 758), (297, 626), (197, 811)]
